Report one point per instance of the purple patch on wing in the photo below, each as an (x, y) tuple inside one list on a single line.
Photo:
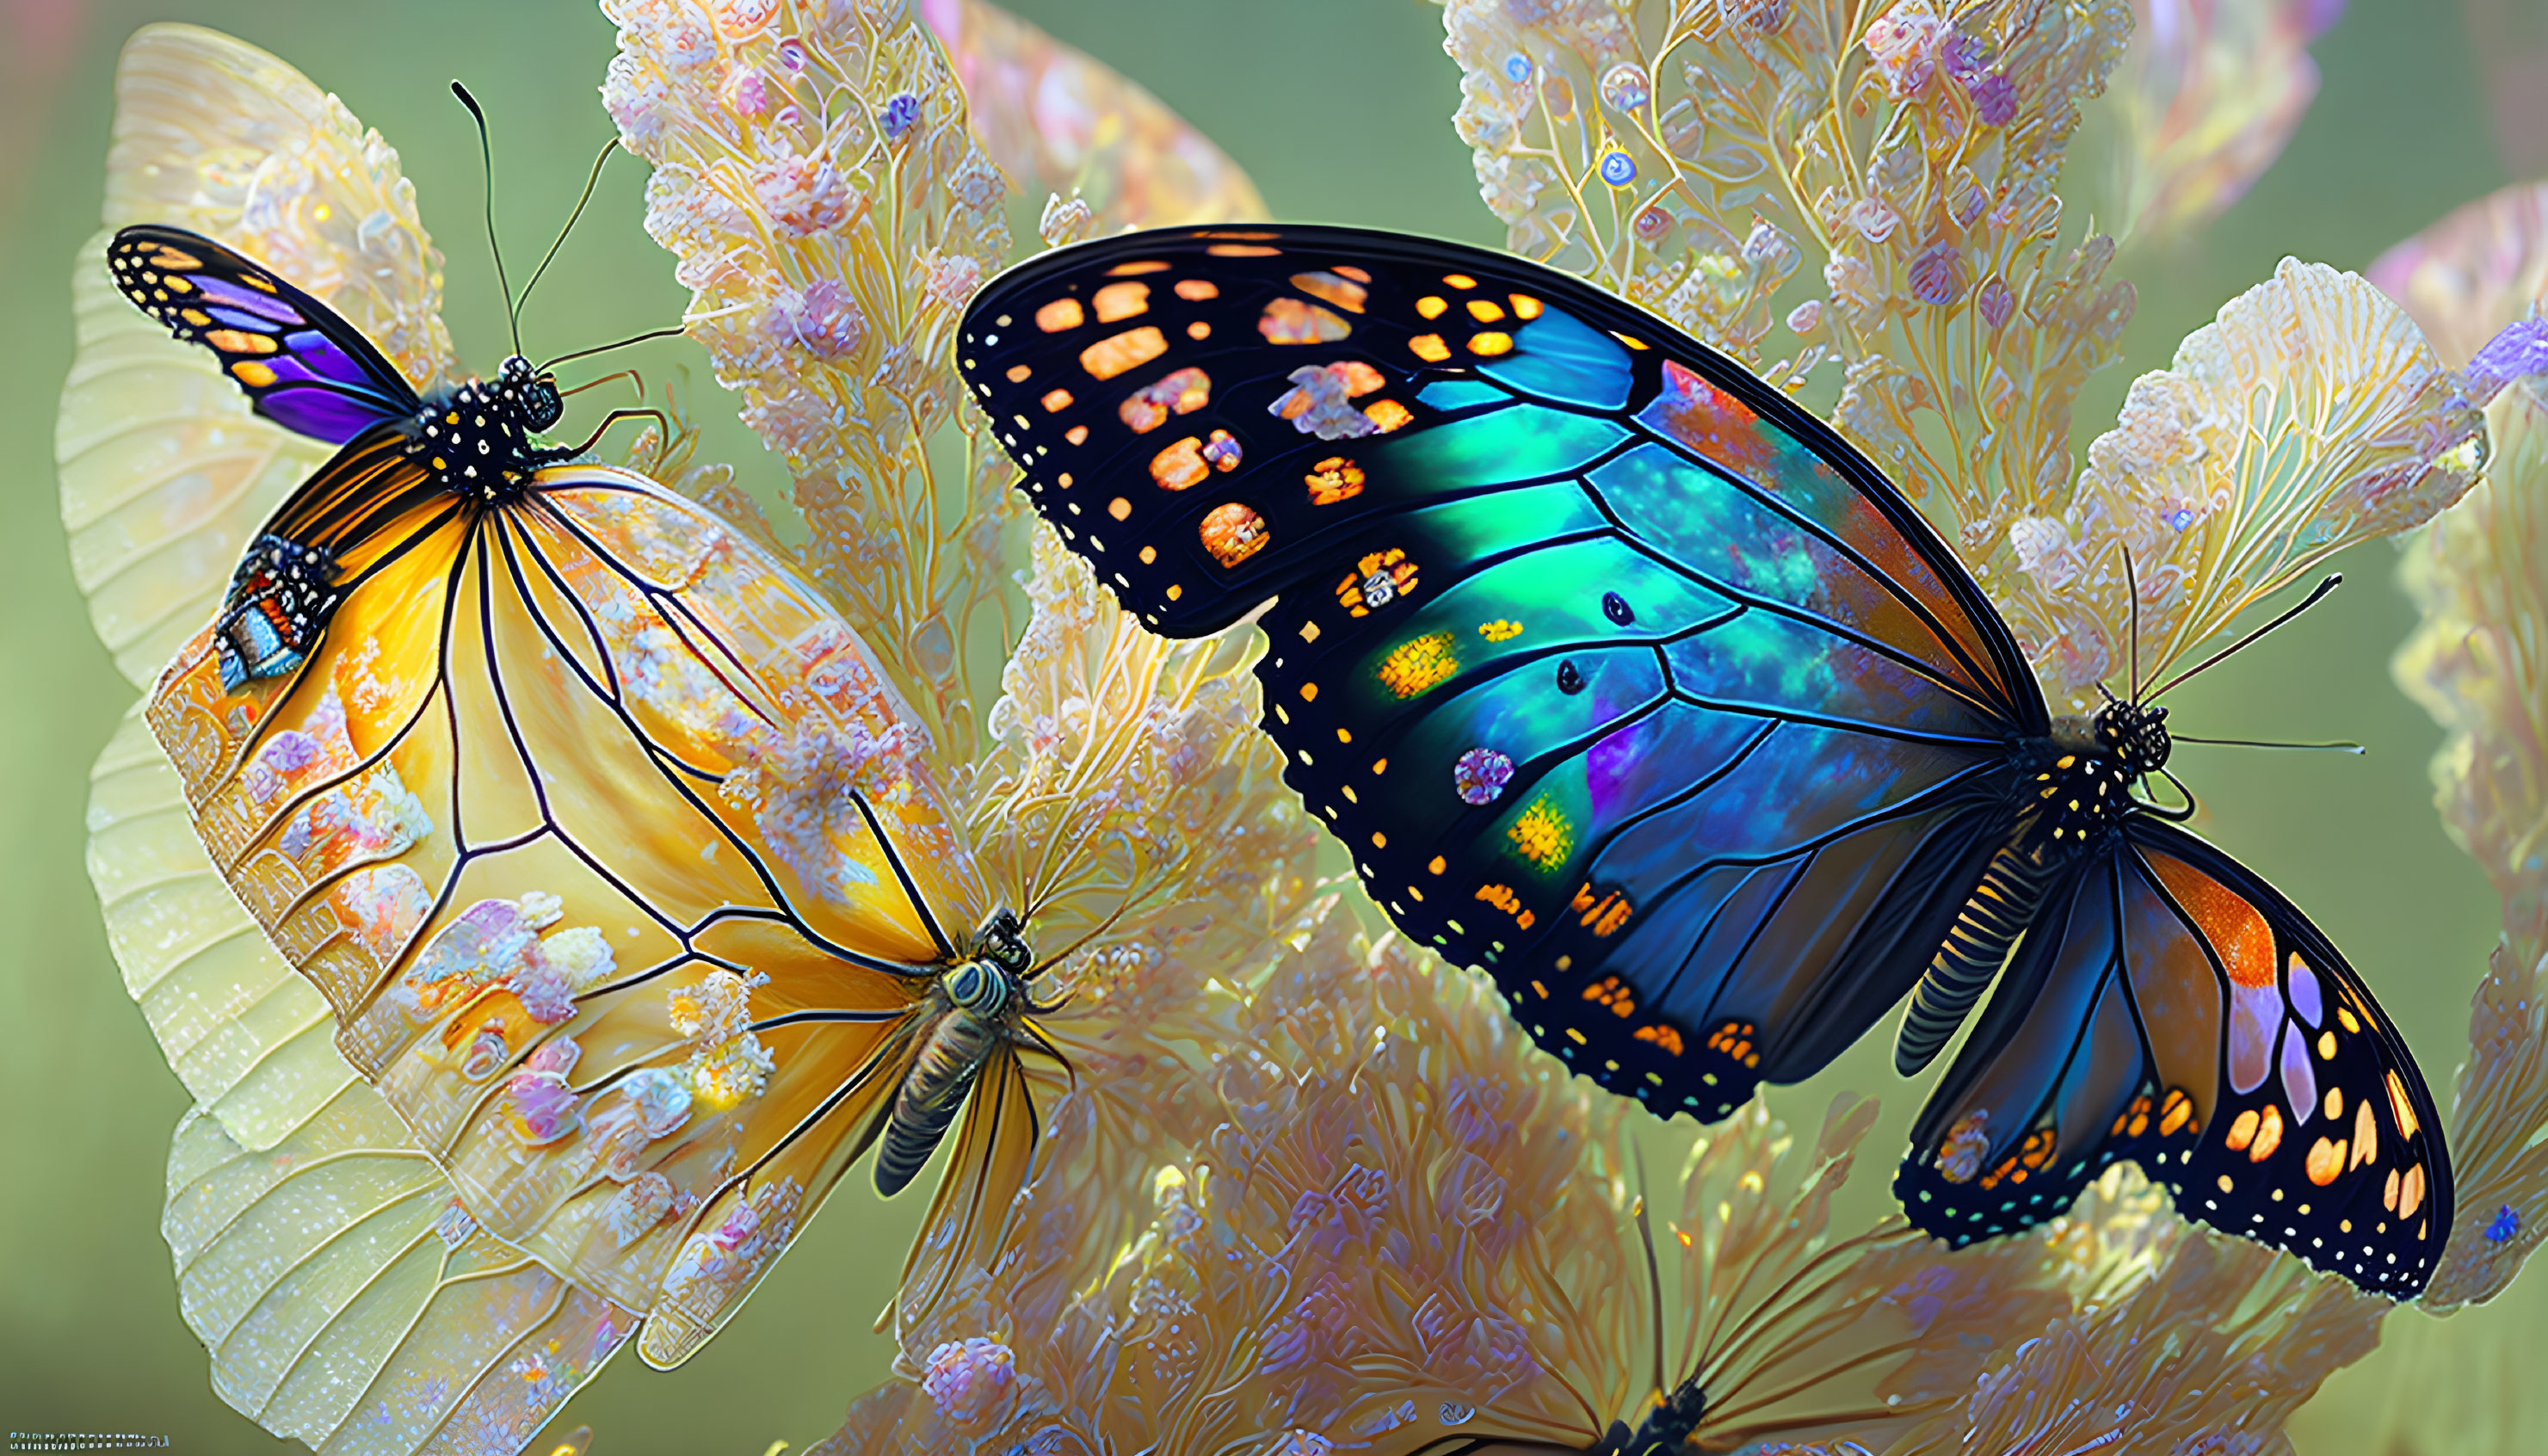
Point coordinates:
[(321, 414), (267, 308), (324, 358)]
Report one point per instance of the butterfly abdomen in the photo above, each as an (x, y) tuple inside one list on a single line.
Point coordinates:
[(1977, 944), (2074, 795), (953, 1054)]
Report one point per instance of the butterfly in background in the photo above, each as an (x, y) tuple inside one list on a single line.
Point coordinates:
[(1625, 679), (604, 838)]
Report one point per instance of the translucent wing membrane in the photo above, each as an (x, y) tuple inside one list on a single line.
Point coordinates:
[(601, 838), (2169, 1008), (349, 1302), (303, 367), (1618, 674)]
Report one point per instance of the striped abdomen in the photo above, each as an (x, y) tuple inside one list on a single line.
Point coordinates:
[(2010, 889), (952, 1056)]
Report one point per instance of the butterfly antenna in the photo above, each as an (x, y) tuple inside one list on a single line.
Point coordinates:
[(487, 164), (590, 182), (634, 338), (1654, 1275), (2132, 590), (2316, 595), (2338, 747)]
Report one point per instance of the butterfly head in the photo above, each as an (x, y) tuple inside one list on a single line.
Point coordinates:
[(1002, 942), (2133, 733), (986, 981), (533, 395)]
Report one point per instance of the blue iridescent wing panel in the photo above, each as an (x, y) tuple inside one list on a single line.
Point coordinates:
[(303, 367), (2171, 1009), (1618, 674)]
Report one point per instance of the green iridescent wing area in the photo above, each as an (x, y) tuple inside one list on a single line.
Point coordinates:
[(1618, 674)]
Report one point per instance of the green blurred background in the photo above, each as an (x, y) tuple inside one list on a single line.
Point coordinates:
[(1341, 110)]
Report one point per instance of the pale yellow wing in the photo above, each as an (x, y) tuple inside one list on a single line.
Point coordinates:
[(350, 1301), (164, 473), (251, 1038)]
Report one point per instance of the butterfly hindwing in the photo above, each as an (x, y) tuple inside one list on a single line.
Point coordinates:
[(566, 814), (1616, 673), (2171, 1009), (302, 365)]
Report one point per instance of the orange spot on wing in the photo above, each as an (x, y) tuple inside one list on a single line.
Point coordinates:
[(2239, 934), (1196, 290), (1329, 288), (2269, 1134), (1059, 314), (1240, 251), (1292, 321), (2326, 1160), (1122, 301), (2400, 1108), (1127, 350), (1388, 415), (1180, 464), (1127, 270), (1429, 347), (1232, 533), (1056, 399), (2242, 1131)]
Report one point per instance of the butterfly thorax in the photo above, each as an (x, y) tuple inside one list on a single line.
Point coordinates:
[(476, 437), (2073, 788), (977, 1001)]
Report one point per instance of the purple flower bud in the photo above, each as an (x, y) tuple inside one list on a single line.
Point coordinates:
[(1964, 55), (1994, 99), (900, 115), (1937, 275)]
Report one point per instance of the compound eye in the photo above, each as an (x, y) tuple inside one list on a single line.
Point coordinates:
[(543, 406)]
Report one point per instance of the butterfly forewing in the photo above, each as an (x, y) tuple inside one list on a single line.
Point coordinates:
[(2172, 1010), (301, 366), (563, 813), (1616, 673)]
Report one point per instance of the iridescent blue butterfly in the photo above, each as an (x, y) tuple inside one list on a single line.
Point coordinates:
[(1627, 680)]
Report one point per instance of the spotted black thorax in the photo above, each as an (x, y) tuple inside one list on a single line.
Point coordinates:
[(2080, 779), (477, 439)]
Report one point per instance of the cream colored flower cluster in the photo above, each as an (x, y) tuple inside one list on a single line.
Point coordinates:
[(832, 215)]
